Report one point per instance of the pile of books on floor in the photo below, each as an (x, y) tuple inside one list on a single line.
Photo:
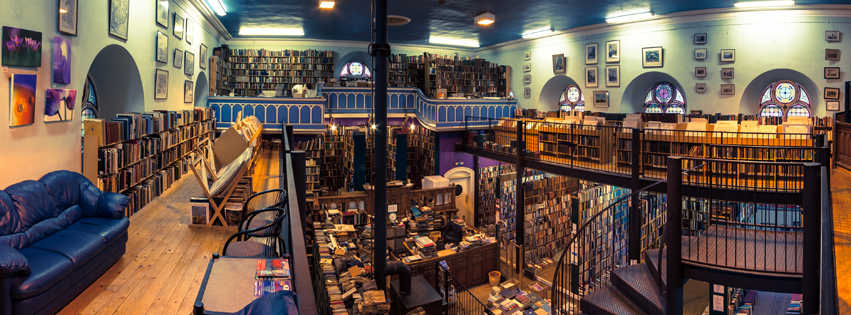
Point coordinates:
[(332, 284), (538, 264), (504, 300), (795, 304)]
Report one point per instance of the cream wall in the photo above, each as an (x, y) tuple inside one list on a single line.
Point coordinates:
[(28, 152)]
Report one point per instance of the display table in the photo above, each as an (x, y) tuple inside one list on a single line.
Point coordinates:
[(228, 285), (470, 267)]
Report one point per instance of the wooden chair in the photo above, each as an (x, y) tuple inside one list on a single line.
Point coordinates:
[(275, 245), (278, 197)]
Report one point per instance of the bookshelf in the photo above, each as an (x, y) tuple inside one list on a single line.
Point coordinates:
[(465, 75), (255, 70), (561, 141), (504, 81), (313, 161), (219, 71), (406, 71), (547, 215), (421, 143), (490, 193), (653, 210), (335, 158), (611, 249)]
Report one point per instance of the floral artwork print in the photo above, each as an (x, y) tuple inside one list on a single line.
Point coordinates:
[(119, 16), (22, 111), (21, 47), (59, 105), (61, 60)]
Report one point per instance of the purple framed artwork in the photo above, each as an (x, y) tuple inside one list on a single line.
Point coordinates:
[(59, 105), (61, 60), (21, 47)]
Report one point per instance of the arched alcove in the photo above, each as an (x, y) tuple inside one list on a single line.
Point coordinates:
[(202, 88), (550, 93), (749, 103), (633, 96), (360, 56), (119, 84)]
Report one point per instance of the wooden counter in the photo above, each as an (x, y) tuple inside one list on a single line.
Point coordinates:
[(470, 267)]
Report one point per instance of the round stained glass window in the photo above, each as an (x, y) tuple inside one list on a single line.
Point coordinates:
[(784, 92), (356, 68), (573, 94), (664, 93)]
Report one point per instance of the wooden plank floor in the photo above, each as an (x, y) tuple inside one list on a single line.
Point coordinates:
[(763, 251), (166, 259), (840, 190)]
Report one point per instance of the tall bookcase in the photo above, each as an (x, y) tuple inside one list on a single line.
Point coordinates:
[(406, 71), (421, 143), (504, 81), (490, 193), (335, 158), (547, 216), (465, 75), (313, 161), (560, 141), (257, 70), (219, 71)]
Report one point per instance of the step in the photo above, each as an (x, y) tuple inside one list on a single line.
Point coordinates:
[(650, 258), (607, 301), (638, 284)]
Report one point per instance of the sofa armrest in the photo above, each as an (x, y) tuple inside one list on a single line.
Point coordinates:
[(12, 261), (112, 205)]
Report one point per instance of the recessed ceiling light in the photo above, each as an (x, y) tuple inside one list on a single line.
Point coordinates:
[(271, 31), (454, 41), (629, 17), (217, 6), (755, 4), (326, 4), (538, 33), (63, 11), (486, 18)]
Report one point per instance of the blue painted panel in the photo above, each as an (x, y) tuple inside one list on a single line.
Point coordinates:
[(491, 110), (261, 113), (360, 100), (410, 100), (282, 115), (270, 114), (506, 111), (498, 112), (248, 111), (350, 101), (305, 115), (316, 117), (459, 113), (441, 116), (332, 100), (294, 115), (225, 117), (393, 100), (476, 111), (450, 114), (511, 112), (218, 110), (468, 111), (237, 108), (369, 101)]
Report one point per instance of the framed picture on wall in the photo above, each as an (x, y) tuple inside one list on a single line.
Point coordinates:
[(831, 54), (613, 76), (831, 93), (202, 57), (700, 54), (527, 78), (833, 105), (527, 56), (700, 72), (613, 51), (178, 58), (728, 89), (119, 18), (190, 31), (68, 15), (651, 57), (189, 63), (700, 38), (161, 85), (179, 26), (831, 72), (728, 55), (591, 54), (527, 67), (527, 92), (162, 47), (601, 99), (162, 13), (559, 64), (726, 73), (700, 87), (831, 36), (591, 77), (188, 91)]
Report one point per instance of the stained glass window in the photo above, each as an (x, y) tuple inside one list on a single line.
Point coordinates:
[(355, 70), (345, 72), (573, 94), (785, 92), (572, 99), (652, 108), (798, 110), (766, 96), (804, 97), (90, 100), (579, 108), (785, 98), (649, 98), (564, 108), (663, 93), (771, 110), (675, 109), (664, 97)]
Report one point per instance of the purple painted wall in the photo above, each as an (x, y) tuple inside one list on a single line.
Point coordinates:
[(448, 156)]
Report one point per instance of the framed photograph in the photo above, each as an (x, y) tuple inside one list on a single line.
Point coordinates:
[(558, 63), (833, 105), (700, 87), (162, 47), (601, 99), (728, 89), (161, 85), (700, 38), (22, 107), (700, 72), (190, 31), (527, 67), (726, 73), (613, 76), (527, 78), (119, 18), (831, 54), (831, 93), (651, 57), (21, 48), (591, 54), (831, 36), (68, 15), (162, 13), (728, 55), (591, 77), (831, 72), (527, 56), (613, 51), (189, 63), (527, 92), (203, 57), (188, 90), (59, 105), (700, 54), (179, 26), (178, 58)]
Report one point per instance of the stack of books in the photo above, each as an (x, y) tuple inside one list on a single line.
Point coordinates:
[(426, 247), (272, 275)]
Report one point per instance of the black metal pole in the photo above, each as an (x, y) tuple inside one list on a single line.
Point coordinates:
[(812, 242), (381, 51), (477, 214), (519, 208), (635, 210), (674, 236), (823, 153)]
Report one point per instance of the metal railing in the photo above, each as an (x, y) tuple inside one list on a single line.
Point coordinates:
[(458, 299), (829, 292)]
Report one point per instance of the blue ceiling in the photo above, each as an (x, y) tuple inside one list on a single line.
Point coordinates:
[(350, 19)]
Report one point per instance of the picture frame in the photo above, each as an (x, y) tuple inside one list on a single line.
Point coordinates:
[(700, 87), (727, 73), (202, 58), (161, 85), (188, 63), (190, 31), (831, 72), (652, 57), (613, 51), (831, 36), (21, 47), (591, 53), (119, 18), (527, 79), (68, 16), (833, 105), (559, 64), (831, 54), (162, 47), (527, 92), (527, 67), (700, 72), (188, 91), (613, 76), (179, 26), (728, 55), (700, 54), (61, 60), (591, 77), (601, 99), (527, 55), (700, 38), (178, 58), (728, 89), (162, 12), (831, 93)]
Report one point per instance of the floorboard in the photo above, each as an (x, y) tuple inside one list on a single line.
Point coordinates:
[(840, 190)]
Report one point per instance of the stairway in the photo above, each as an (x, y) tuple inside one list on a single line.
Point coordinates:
[(632, 290)]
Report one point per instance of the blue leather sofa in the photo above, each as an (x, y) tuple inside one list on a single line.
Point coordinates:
[(57, 236)]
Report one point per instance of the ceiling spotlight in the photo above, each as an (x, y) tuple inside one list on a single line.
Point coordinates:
[(326, 4), (629, 17), (538, 33), (486, 18), (756, 4), (454, 41), (218, 6)]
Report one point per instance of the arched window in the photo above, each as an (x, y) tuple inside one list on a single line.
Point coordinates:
[(90, 100), (571, 99), (355, 70), (784, 98), (664, 97)]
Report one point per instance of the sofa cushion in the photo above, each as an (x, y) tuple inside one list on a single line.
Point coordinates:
[(79, 247), (63, 190), (42, 229), (108, 229), (47, 268)]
